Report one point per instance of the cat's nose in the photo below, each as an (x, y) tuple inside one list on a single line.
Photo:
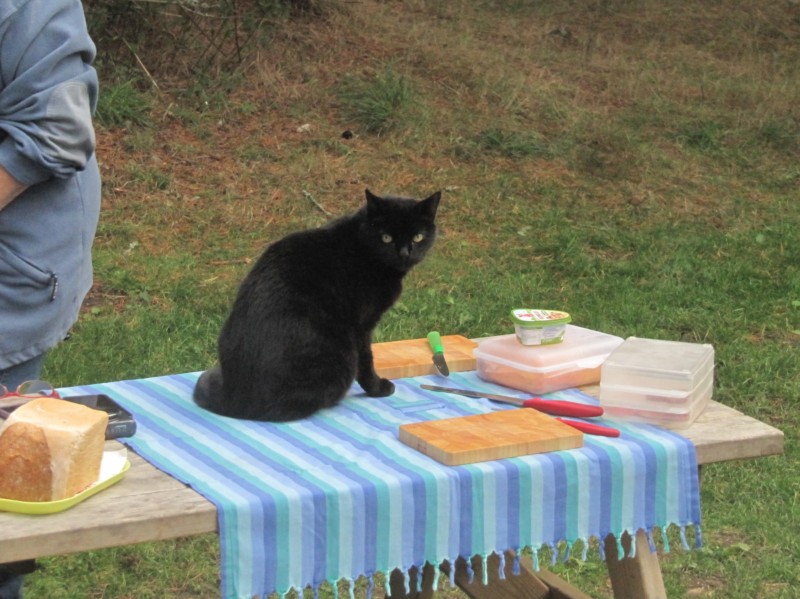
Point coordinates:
[(405, 252)]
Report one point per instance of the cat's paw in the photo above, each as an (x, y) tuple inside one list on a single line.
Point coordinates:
[(382, 388), (386, 388)]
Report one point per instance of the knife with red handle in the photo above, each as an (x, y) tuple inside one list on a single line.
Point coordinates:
[(548, 406), (590, 428)]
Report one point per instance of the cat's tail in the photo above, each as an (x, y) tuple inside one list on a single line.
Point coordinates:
[(208, 392)]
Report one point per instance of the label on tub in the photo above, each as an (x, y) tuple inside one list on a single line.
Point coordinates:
[(540, 327), (540, 318)]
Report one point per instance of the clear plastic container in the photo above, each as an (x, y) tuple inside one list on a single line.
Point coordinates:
[(656, 381), (659, 364), (537, 369), (675, 416)]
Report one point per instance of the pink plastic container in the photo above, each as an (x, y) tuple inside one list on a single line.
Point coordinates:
[(573, 362)]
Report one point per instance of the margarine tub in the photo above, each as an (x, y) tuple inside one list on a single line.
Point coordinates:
[(537, 369), (540, 327)]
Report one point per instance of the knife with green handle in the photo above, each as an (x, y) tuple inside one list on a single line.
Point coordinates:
[(435, 342)]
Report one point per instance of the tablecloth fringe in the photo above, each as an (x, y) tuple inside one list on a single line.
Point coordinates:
[(558, 552), (664, 539)]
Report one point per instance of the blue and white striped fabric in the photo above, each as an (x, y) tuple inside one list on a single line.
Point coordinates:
[(338, 496)]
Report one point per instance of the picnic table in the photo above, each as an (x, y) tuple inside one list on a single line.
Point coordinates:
[(149, 505)]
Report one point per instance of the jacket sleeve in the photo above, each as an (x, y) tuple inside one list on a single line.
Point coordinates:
[(48, 89)]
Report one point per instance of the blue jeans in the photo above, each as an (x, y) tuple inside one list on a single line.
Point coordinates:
[(10, 583), (10, 578), (27, 371)]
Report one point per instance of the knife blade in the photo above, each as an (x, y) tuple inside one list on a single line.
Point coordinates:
[(435, 341), (554, 407)]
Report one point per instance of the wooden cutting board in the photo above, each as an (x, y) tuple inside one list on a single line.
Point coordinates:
[(414, 357), (492, 436)]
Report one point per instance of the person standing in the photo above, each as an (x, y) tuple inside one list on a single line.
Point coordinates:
[(49, 187)]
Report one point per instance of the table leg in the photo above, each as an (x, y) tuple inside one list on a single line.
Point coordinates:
[(522, 586), (419, 587), (637, 577), (525, 585), (559, 588)]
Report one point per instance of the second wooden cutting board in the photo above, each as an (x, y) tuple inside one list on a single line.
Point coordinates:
[(414, 357), (492, 436)]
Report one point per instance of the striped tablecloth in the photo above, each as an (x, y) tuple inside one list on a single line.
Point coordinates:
[(338, 496)]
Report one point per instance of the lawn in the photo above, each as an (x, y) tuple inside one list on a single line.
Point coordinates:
[(632, 163)]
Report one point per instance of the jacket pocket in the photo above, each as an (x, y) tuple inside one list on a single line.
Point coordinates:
[(22, 282)]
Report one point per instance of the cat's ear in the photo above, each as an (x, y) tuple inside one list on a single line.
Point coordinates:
[(374, 203), (428, 206)]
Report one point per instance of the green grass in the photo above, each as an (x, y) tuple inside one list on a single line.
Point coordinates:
[(122, 105), (634, 164), (379, 103)]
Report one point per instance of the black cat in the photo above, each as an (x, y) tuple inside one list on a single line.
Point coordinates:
[(300, 330)]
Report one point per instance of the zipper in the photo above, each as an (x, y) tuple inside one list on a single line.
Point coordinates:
[(53, 286)]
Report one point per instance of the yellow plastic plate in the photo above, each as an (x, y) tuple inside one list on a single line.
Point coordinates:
[(113, 467)]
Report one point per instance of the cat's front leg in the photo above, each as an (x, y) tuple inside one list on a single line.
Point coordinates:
[(369, 380)]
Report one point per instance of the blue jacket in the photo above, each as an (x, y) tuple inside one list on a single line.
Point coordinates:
[(48, 93)]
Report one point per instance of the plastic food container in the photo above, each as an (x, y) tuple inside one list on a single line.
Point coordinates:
[(537, 369), (668, 383), (540, 327), (626, 405)]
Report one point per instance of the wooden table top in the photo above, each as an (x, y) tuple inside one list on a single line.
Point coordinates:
[(149, 505)]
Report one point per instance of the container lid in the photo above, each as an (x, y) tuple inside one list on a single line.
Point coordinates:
[(539, 318), (582, 347), (658, 364)]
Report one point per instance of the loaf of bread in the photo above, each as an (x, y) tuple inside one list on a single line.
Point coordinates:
[(50, 449)]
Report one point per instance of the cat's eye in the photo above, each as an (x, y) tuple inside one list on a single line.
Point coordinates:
[(418, 237), (386, 238)]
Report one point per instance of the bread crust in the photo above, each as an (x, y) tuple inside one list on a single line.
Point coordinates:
[(25, 473), (50, 449)]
